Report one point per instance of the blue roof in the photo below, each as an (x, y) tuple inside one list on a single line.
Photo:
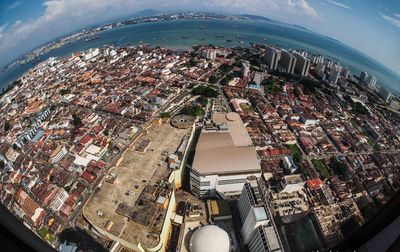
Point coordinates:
[(38, 135)]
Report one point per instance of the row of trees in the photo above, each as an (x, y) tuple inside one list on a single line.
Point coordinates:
[(205, 91)]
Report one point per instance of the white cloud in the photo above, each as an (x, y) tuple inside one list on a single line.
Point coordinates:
[(301, 7), (397, 15), (14, 5), (393, 20), (2, 28), (338, 4)]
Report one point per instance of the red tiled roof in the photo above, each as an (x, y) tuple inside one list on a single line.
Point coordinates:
[(89, 177), (85, 139), (314, 183)]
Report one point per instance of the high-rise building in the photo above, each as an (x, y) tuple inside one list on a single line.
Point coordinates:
[(245, 69), (320, 70), (385, 94), (272, 57), (303, 53), (371, 81), (329, 64), (258, 228), (363, 76), (210, 54), (318, 59), (287, 61), (334, 76), (345, 72), (302, 65)]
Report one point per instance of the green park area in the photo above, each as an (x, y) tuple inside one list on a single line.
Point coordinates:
[(246, 107), (321, 167), (45, 234)]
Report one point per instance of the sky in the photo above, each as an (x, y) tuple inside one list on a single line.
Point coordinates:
[(371, 26)]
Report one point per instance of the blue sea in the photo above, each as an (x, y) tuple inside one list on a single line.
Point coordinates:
[(240, 32)]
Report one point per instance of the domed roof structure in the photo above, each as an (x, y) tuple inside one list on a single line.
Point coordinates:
[(210, 238)]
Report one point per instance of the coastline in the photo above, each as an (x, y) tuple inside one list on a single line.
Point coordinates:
[(169, 34)]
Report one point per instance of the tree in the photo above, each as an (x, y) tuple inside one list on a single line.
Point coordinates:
[(269, 81), (106, 132), (76, 121), (165, 115), (225, 68), (358, 108), (206, 91), (193, 62), (213, 79), (193, 111), (309, 84), (7, 126), (64, 91), (339, 168), (2, 165), (202, 100)]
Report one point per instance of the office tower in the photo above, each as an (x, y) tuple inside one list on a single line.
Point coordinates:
[(304, 53), (258, 231), (210, 54), (385, 94), (334, 76), (345, 72), (271, 57), (363, 76), (245, 68), (329, 64), (371, 81), (287, 61), (318, 59), (320, 69), (302, 65)]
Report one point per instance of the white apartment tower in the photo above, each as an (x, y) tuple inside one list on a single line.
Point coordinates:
[(302, 65), (318, 59), (272, 57), (245, 69), (287, 61), (371, 81)]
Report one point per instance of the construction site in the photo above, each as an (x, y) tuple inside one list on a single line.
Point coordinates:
[(134, 203)]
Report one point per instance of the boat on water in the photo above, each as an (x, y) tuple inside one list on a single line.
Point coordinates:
[(201, 39), (228, 40), (91, 38), (219, 36), (185, 36), (202, 27)]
